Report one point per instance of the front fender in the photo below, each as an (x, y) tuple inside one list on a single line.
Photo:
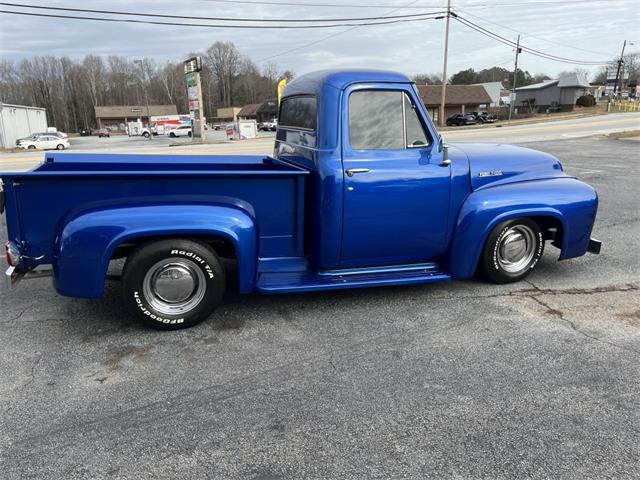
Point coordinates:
[(86, 243), (566, 199)]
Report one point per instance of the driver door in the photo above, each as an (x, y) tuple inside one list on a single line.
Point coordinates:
[(396, 190)]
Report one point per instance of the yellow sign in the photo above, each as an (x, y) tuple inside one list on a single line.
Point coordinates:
[(281, 85)]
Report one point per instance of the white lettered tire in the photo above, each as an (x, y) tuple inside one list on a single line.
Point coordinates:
[(512, 250), (173, 283)]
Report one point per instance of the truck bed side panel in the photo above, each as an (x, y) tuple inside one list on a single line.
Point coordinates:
[(47, 203)]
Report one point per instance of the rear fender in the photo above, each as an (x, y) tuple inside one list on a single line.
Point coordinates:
[(568, 200), (86, 243)]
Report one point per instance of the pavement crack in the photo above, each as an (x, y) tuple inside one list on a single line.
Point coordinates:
[(576, 291), (34, 365), (17, 317), (333, 366), (560, 315)]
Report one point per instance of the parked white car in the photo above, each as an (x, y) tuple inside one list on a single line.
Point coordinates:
[(44, 142), (181, 131)]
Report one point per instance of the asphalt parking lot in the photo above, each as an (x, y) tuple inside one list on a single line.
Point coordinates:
[(94, 143), (538, 379)]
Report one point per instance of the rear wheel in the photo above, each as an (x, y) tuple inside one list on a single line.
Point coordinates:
[(31, 147), (173, 283), (146, 134), (512, 250)]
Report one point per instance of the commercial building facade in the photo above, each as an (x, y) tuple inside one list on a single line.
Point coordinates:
[(19, 121), (553, 95), (459, 99), (225, 115), (115, 118), (260, 112)]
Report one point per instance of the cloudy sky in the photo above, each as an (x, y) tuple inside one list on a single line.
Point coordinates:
[(585, 30)]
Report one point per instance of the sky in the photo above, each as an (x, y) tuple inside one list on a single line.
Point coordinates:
[(584, 30)]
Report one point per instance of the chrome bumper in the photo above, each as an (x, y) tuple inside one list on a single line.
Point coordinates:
[(594, 246), (13, 276)]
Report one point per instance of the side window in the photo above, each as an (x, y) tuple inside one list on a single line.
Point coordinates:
[(416, 137), (375, 120), (299, 112)]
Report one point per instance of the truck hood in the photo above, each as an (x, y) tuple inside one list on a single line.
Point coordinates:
[(492, 164)]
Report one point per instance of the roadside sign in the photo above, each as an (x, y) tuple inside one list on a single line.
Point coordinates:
[(192, 68), (193, 64)]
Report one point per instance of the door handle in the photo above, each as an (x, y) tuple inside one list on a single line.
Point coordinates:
[(352, 171)]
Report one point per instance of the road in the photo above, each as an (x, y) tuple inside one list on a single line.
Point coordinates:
[(544, 131), (539, 379)]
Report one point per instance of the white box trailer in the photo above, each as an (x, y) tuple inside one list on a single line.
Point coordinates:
[(242, 130), (163, 124), (19, 121)]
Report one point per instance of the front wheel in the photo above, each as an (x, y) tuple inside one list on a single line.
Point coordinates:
[(174, 283), (60, 147), (146, 135), (512, 250)]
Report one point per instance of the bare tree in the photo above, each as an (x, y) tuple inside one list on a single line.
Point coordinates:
[(70, 89), (225, 61)]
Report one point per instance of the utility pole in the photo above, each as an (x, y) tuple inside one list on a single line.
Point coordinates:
[(515, 77), (620, 63), (441, 114)]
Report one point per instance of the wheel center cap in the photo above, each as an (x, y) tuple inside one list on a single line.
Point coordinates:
[(174, 283), (514, 247)]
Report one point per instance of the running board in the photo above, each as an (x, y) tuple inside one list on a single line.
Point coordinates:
[(308, 281), (412, 267)]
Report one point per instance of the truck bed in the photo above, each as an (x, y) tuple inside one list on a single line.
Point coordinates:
[(40, 202)]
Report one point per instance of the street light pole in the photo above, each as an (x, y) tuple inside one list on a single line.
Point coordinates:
[(443, 97)]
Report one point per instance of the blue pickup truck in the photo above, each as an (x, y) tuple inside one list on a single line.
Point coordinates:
[(360, 191)]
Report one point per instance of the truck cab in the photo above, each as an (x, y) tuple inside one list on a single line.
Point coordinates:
[(361, 190), (380, 188)]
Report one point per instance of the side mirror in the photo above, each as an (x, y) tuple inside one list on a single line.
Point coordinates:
[(445, 154)]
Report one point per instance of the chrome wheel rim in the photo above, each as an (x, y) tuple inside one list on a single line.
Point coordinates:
[(516, 249), (174, 286)]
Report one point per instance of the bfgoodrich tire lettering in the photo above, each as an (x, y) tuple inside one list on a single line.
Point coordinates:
[(512, 250), (173, 283)]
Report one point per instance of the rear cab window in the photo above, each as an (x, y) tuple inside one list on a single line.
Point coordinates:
[(299, 112), (299, 118)]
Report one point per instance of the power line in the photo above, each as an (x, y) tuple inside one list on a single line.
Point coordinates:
[(378, 5), (225, 19), (207, 25), (323, 5), (328, 37), (531, 34), (529, 50), (537, 2)]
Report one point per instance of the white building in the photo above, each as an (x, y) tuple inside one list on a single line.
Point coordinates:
[(19, 121), (494, 89)]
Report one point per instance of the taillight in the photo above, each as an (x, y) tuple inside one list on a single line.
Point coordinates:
[(12, 253)]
